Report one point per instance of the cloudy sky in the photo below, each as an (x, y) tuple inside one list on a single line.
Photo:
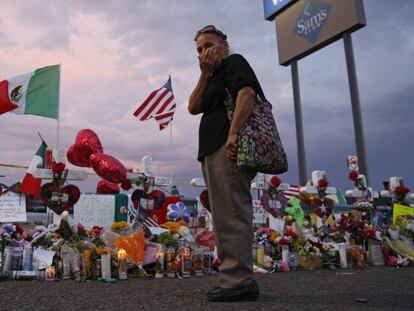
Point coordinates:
[(114, 53)]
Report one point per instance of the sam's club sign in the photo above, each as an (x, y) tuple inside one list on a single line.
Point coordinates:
[(310, 22), (274, 7)]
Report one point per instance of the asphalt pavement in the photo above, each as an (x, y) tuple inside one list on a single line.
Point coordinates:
[(375, 288)]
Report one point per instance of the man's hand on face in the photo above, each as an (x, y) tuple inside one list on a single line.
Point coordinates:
[(209, 60)]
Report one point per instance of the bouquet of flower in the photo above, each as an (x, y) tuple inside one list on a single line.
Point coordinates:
[(263, 235), (330, 255), (365, 208), (311, 250), (356, 228)]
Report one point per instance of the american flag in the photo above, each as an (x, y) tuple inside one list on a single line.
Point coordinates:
[(159, 105), (292, 191), (150, 222)]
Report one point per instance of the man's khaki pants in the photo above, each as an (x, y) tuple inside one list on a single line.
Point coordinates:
[(231, 207)]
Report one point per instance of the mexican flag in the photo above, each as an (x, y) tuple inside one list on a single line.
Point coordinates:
[(34, 93), (31, 185)]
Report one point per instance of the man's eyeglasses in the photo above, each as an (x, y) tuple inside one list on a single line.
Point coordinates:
[(210, 28)]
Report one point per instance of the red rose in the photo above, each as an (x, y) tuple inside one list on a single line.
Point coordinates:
[(19, 228), (126, 184), (283, 241), (97, 230), (291, 233), (216, 263), (353, 175), (401, 190), (58, 167), (275, 181), (316, 202), (323, 183)]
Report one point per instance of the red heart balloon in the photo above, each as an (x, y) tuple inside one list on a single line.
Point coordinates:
[(86, 144), (108, 168), (73, 157), (105, 187)]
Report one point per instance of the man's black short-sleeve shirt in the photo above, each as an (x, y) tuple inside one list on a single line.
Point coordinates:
[(233, 74)]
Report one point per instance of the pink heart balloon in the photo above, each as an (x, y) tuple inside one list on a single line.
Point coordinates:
[(108, 167), (86, 144)]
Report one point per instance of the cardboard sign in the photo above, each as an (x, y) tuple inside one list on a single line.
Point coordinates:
[(95, 210), (259, 214), (13, 207), (277, 224)]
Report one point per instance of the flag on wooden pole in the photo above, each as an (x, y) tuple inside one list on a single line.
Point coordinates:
[(159, 105)]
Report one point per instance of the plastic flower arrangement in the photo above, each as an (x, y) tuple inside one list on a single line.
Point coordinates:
[(309, 250), (274, 235), (282, 240), (356, 228), (14, 235), (173, 226), (330, 256), (263, 235), (178, 211), (363, 206), (368, 233), (168, 239)]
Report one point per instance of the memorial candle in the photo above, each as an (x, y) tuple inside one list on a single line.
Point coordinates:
[(122, 264)]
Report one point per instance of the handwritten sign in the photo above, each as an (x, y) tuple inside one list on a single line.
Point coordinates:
[(12, 207), (44, 173), (95, 210), (259, 214)]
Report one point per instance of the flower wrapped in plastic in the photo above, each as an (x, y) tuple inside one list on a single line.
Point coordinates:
[(135, 248)]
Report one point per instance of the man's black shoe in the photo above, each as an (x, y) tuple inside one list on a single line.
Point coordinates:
[(248, 292)]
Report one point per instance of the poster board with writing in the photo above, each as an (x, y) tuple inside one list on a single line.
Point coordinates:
[(259, 213), (13, 207), (95, 210)]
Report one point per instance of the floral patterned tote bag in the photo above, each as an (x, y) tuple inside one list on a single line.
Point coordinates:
[(259, 147)]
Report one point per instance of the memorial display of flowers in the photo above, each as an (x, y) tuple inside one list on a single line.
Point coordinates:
[(125, 251)]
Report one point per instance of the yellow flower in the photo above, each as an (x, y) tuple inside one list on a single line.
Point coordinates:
[(173, 226), (274, 235), (119, 225)]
